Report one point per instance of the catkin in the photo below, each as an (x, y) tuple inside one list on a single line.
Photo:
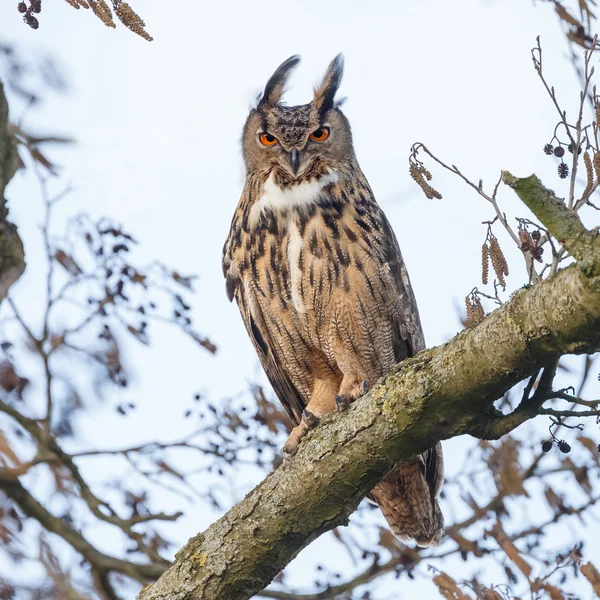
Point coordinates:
[(596, 162), (78, 4), (469, 308), (485, 263), (102, 11), (590, 175), (498, 261), (475, 312), (421, 175), (131, 19)]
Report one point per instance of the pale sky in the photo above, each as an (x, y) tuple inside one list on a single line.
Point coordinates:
[(159, 125)]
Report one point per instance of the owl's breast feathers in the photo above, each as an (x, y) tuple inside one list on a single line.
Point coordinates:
[(311, 264)]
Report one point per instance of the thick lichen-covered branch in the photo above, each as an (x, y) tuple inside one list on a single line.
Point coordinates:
[(12, 260), (563, 223), (441, 393)]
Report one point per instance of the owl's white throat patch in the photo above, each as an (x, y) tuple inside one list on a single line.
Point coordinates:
[(298, 196)]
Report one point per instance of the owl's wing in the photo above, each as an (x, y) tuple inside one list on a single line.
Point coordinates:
[(285, 390), (408, 334), (434, 468), (408, 338)]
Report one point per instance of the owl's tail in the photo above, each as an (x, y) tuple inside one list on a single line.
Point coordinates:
[(407, 499)]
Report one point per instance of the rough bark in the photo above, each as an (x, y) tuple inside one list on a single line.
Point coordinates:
[(12, 259), (443, 392)]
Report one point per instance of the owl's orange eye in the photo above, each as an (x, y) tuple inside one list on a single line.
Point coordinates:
[(266, 139), (320, 135)]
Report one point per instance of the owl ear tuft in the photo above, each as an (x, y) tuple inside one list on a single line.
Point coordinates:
[(327, 89), (276, 85)]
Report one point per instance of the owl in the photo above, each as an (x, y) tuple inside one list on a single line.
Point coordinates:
[(319, 279)]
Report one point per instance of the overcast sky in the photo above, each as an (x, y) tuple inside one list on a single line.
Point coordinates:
[(159, 125)]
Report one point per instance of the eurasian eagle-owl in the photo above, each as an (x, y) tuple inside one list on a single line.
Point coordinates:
[(320, 282)]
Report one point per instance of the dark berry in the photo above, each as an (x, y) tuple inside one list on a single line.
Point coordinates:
[(546, 446), (559, 151), (564, 447), (548, 149), (563, 171), (21, 7)]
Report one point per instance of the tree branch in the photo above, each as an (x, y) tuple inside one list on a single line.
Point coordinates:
[(103, 563), (564, 224), (12, 258), (441, 393)]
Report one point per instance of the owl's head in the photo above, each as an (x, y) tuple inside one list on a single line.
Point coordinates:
[(298, 140)]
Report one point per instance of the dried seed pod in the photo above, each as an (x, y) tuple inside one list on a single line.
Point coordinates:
[(590, 175), (485, 263), (31, 21), (546, 446), (548, 149), (536, 235), (537, 253), (559, 151), (498, 261), (564, 447), (563, 170)]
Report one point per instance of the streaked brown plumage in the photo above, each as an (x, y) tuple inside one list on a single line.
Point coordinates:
[(319, 279)]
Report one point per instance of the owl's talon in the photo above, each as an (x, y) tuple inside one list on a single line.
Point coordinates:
[(288, 450), (309, 421), (342, 402)]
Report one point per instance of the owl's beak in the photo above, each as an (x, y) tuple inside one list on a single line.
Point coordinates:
[(295, 160)]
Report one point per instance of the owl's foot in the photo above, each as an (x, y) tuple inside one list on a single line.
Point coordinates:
[(343, 401), (309, 421)]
